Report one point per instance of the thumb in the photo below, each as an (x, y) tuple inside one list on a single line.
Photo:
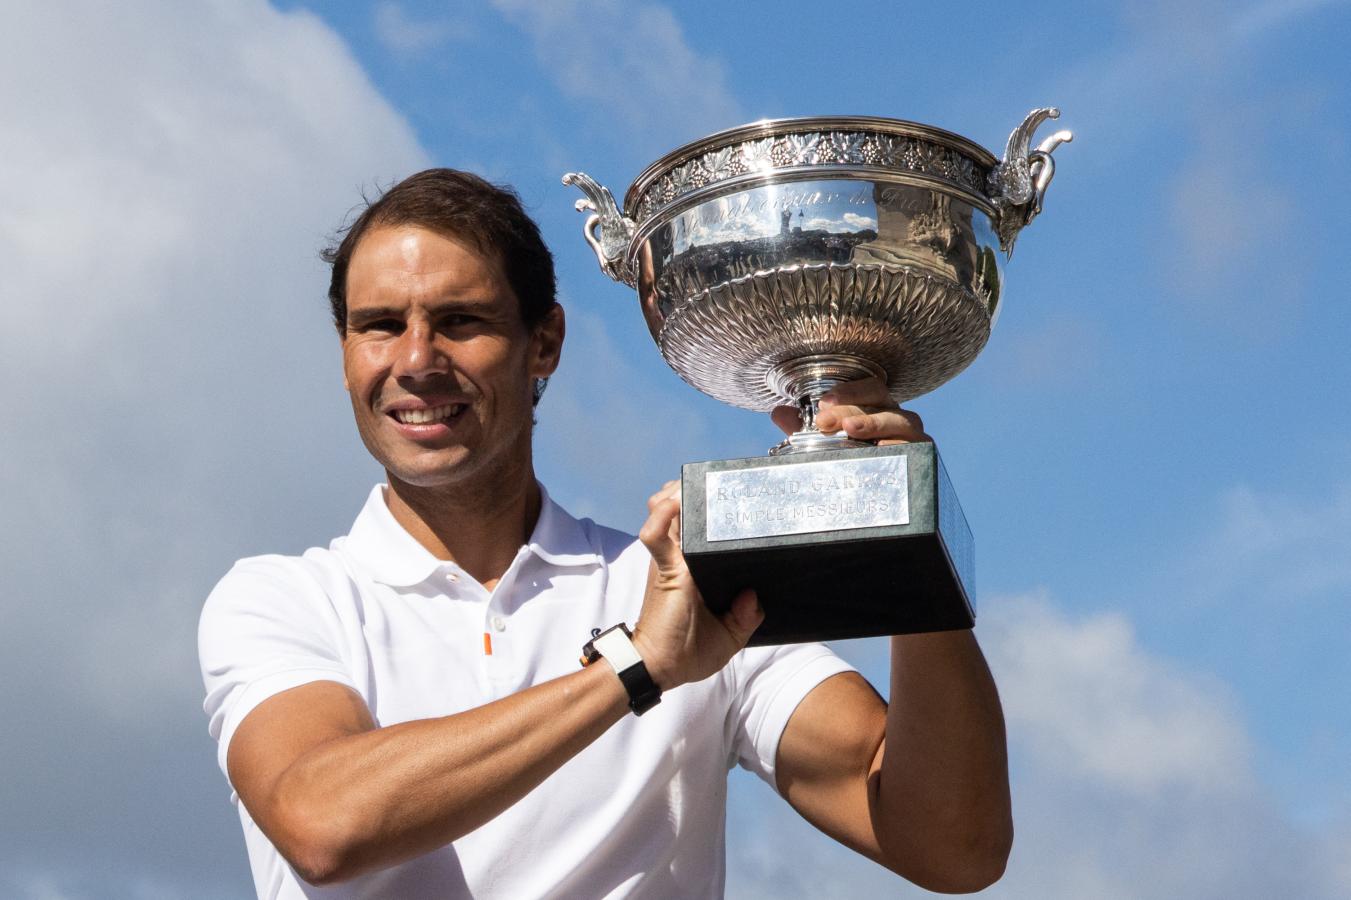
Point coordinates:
[(657, 537), (744, 617), (787, 418)]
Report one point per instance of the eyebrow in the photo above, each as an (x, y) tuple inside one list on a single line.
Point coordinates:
[(367, 314)]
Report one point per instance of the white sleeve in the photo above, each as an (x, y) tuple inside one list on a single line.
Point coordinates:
[(267, 627), (771, 682)]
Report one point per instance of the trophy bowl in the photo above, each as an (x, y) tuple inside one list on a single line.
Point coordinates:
[(778, 259)]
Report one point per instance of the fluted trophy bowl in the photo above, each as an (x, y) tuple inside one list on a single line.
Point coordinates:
[(777, 259)]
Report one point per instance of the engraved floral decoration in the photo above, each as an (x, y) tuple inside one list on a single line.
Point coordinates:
[(814, 148), (756, 155)]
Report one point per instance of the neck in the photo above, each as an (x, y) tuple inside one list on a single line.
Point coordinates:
[(480, 527)]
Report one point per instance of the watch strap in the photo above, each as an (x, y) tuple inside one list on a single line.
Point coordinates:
[(643, 691)]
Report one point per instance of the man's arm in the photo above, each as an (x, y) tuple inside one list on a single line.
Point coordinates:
[(922, 786), (339, 797)]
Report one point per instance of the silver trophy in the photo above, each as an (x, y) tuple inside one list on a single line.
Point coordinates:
[(778, 259)]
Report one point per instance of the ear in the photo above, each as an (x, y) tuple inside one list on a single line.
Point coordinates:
[(546, 344), (342, 346)]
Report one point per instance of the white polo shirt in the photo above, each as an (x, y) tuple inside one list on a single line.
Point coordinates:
[(638, 813)]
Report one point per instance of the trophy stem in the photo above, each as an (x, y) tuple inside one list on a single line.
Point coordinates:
[(803, 382)]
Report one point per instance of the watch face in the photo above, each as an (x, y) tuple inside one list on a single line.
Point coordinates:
[(589, 652)]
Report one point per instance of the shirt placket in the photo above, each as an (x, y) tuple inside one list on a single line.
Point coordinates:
[(460, 588), (499, 647)]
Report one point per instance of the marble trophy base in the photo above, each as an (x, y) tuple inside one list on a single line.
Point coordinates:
[(837, 544)]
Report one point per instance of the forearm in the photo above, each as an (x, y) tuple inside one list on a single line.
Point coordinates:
[(366, 801), (940, 800)]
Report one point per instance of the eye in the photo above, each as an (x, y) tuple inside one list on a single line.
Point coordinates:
[(459, 320), (390, 326)]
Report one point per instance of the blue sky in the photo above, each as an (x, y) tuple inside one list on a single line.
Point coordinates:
[(1152, 451)]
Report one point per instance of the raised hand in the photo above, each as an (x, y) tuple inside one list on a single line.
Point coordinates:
[(679, 639), (862, 409)]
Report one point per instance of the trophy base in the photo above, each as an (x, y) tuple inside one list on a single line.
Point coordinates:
[(837, 544)]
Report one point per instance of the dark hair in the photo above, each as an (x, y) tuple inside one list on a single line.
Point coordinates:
[(463, 206)]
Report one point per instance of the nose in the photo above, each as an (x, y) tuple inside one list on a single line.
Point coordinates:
[(418, 354)]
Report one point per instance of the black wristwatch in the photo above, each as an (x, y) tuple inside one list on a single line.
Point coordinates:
[(616, 646)]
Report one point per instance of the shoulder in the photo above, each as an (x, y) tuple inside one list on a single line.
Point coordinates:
[(276, 571), (770, 684), (277, 587), (804, 664), (270, 624), (771, 681)]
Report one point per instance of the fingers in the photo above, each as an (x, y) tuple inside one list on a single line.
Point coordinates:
[(871, 423), (667, 491), (888, 426), (660, 534), (744, 617), (864, 392), (862, 409)]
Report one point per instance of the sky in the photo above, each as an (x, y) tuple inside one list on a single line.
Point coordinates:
[(1152, 451)]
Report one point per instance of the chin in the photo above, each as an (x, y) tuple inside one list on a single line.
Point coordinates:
[(434, 476)]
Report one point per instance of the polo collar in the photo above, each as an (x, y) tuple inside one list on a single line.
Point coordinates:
[(559, 538), (393, 556)]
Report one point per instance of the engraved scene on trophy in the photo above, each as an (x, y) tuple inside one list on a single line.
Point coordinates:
[(831, 266)]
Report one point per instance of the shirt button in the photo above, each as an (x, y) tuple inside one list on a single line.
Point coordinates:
[(499, 623), (452, 577)]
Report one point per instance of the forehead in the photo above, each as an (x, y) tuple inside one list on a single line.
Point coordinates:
[(410, 262)]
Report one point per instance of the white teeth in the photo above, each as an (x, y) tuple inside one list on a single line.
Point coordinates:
[(426, 416)]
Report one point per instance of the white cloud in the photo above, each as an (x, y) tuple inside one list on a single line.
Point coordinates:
[(162, 210), (1174, 108), (1269, 545), (734, 229), (1260, 596), (131, 180), (1134, 775), (1132, 779), (1260, 17), (400, 33), (42, 887), (1232, 248), (631, 64), (1090, 704), (167, 173)]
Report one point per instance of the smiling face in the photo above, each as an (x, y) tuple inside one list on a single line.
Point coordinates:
[(438, 362)]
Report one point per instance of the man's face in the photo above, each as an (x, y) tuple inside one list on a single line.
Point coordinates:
[(437, 359)]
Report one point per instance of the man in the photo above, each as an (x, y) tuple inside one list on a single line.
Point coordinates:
[(403, 715)]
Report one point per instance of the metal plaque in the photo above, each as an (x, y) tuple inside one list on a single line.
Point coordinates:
[(807, 497)]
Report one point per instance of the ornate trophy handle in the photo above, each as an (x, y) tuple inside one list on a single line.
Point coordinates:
[(607, 231), (1018, 183)]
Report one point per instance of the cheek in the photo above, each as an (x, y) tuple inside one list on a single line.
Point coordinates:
[(362, 368), (496, 365)]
